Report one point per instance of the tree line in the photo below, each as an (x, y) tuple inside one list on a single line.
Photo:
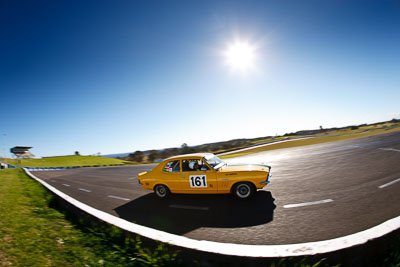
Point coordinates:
[(153, 155)]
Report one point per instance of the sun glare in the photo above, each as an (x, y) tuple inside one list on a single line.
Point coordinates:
[(240, 56)]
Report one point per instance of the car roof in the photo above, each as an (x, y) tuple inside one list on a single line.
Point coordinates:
[(195, 155)]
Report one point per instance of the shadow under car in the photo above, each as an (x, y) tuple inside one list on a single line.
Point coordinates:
[(180, 213)]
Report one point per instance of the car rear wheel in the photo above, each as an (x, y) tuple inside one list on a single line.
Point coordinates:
[(243, 190), (161, 191)]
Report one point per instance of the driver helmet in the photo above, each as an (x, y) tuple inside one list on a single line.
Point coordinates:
[(191, 165)]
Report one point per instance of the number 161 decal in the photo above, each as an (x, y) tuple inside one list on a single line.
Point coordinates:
[(198, 180)]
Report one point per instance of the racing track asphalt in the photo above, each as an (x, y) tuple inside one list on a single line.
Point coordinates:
[(316, 193)]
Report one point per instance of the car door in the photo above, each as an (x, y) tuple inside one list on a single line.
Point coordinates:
[(171, 175), (197, 180)]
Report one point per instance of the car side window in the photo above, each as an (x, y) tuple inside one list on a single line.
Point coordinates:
[(172, 166), (203, 166), (190, 165)]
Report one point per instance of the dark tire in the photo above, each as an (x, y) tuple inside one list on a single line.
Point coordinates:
[(243, 190), (161, 191)]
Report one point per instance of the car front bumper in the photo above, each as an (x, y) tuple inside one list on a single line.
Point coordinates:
[(267, 181)]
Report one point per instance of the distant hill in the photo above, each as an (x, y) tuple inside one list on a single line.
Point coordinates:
[(227, 146), (116, 156)]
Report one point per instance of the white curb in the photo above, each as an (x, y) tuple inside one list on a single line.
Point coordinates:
[(266, 251)]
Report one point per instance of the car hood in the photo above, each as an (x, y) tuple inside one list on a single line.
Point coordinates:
[(245, 167)]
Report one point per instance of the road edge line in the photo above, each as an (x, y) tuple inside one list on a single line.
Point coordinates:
[(264, 251)]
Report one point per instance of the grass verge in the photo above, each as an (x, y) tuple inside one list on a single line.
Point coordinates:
[(65, 161), (33, 233), (313, 141)]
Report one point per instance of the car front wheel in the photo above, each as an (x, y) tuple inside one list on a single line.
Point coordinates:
[(161, 191), (243, 190)]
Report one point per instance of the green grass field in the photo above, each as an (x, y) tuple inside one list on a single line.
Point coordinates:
[(335, 132), (32, 233), (65, 161), (329, 137)]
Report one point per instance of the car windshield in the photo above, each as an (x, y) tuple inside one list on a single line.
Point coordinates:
[(214, 161)]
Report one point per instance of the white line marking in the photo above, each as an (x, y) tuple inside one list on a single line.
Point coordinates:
[(188, 207), (307, 203), (84, 190), (290, 250), (117, 197), (390, 183), (131, 178), (65, 184), (390, 149)]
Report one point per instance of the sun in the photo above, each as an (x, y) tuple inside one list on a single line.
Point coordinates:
[(240, 55)]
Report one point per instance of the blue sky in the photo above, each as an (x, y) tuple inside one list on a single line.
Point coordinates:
[(120, 76)]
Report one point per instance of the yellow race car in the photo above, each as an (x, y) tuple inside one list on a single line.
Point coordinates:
[(204, 173)]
